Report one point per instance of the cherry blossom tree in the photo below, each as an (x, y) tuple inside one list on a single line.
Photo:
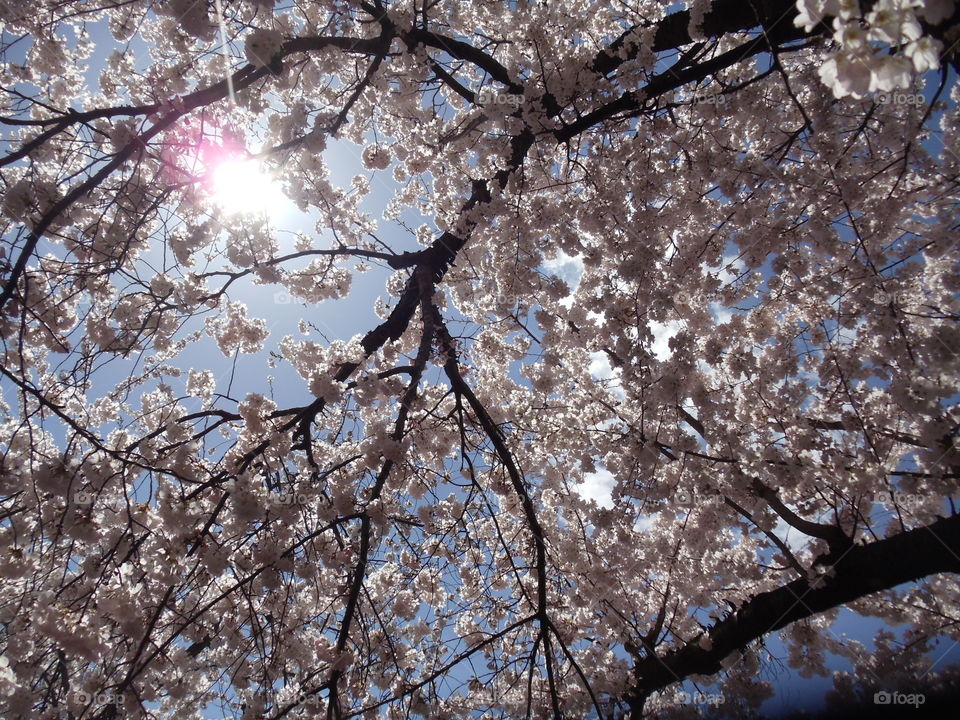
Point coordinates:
[(701, 254)]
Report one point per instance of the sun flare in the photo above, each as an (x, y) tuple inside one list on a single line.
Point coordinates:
[(244, 186)]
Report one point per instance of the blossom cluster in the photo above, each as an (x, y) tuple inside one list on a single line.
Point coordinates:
[(863, 62)]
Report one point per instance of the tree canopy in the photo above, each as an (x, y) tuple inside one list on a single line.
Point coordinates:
[(664, 364)]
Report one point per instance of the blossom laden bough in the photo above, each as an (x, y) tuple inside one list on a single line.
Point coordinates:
[(665, 358)]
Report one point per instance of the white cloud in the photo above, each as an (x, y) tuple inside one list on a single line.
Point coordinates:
[(644, 523), (597, 486), (568, 268), (662, 332), (600, 367), (731, 267), (721, 313)]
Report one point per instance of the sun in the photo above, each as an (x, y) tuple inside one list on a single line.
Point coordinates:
[(243, 186)]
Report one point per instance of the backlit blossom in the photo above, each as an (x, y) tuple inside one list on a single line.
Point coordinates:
[(476, 360)]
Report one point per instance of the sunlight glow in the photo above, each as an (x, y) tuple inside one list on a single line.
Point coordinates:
[(243, 186)]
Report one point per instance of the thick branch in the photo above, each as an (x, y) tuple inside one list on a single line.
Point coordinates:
[(834, 536), (634, 101), (860, 571), (725, 16)]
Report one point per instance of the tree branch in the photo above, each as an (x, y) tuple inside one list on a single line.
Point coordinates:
[(860, 571)]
